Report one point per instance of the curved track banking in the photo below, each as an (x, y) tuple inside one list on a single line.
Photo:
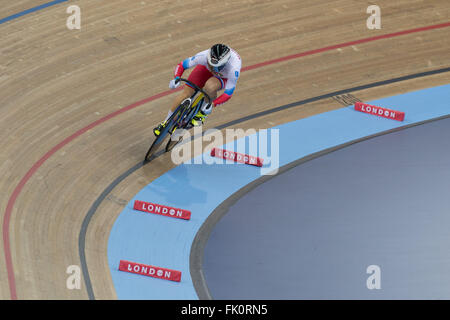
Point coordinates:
[(164, 242), (199, 245), (124, 40)]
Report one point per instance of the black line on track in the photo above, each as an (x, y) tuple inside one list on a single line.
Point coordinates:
[(200, 241), (85, 225)]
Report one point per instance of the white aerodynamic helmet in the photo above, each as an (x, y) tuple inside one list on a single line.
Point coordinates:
[(218, 56)]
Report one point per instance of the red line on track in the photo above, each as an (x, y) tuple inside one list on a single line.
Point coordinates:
[(345, 44), (40, 162)]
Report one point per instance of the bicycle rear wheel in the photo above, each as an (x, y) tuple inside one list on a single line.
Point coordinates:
[(174, 139)]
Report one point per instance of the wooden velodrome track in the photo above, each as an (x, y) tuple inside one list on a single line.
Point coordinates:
[(59, 152)]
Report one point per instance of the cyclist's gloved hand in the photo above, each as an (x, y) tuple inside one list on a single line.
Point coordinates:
[(221, 99), (174, 83)]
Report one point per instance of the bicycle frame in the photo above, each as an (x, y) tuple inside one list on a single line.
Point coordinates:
[(189, 111)]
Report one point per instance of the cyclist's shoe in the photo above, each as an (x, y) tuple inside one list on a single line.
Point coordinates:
[(198, 119), (158, 129)]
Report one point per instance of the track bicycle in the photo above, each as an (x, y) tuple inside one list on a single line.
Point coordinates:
[(180, 119)]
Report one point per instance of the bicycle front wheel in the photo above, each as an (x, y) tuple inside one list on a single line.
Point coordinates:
[(174, 140), (153, 148), (172, 124)]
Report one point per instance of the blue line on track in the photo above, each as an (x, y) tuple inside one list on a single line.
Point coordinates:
[(42, 6)]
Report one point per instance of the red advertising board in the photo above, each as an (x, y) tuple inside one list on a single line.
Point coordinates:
[(237, 157), (379, 111), (150, 271), (162, 210)]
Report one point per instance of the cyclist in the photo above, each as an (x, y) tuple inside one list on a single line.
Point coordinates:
[(215, 69)]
